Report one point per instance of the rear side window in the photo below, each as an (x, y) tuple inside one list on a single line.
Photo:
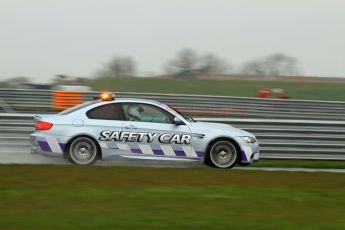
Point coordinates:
[(77, 107), (107, 112)]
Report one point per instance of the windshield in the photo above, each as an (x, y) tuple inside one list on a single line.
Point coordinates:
[(187, 117)]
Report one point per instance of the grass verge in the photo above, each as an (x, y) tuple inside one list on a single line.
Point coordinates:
[(69, 197), (245, 88)]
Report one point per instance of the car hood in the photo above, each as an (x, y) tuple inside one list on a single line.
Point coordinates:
[(218, 127)]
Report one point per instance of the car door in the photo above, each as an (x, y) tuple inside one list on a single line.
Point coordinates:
[(151, 131), (105, 122)]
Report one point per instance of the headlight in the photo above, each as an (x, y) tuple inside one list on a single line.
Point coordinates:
[(249, 139)]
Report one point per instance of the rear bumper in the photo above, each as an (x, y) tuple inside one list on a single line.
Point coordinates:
[(47, 145)]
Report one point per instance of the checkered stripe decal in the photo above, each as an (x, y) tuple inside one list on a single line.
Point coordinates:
[(52, 145), (162, 150)]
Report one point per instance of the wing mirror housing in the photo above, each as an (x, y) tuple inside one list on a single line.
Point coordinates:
[(178, 121)]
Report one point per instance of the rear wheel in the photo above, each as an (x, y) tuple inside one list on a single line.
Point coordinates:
[(223, 154), (83, 151)]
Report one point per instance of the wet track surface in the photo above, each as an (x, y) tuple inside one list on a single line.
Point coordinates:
[(23, 156)]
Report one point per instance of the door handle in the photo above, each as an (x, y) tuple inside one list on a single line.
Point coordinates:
[(130, 127)]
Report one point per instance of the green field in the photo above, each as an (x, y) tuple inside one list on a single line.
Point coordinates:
[(69, 197), (245, 88), (3, 85)]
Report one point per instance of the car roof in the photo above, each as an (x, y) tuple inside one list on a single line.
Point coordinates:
[(139, 100), (125, 100)]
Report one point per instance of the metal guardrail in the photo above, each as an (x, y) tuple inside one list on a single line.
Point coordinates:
[(198, 105), (289, 139)]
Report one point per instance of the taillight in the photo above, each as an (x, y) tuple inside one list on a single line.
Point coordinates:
[(41, 125)]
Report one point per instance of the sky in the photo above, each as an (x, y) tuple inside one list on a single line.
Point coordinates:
[(43, 38)]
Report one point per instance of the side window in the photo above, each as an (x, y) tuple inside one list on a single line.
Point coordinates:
[(146, 113), (107, 112)]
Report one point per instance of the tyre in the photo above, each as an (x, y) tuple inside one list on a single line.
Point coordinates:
[(83, 151), (223, 154)]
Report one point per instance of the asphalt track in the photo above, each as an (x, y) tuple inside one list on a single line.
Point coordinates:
[(23, 156)]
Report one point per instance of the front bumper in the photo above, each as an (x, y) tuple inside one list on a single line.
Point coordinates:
[(250, 152)]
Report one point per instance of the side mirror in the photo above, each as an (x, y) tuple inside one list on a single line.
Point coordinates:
[(177, 121)]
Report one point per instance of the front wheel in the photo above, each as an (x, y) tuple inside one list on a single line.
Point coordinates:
[(223, 154), (82, 151)]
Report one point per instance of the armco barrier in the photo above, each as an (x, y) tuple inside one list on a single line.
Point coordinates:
[(292, 139), (197, 105)]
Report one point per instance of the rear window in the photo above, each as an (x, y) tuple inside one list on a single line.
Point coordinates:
[(107, 112), (77, 107)]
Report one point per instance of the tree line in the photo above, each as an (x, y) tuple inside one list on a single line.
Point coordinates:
[(187, 62)]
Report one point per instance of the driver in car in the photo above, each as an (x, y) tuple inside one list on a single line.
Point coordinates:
[(134, 112)]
